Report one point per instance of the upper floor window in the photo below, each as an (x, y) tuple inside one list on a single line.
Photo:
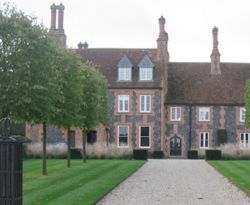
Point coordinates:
[(204, 139), (175, 113), (125, 74), (204, 114), (123, 103), (124, 69), (145, 103), (146, 69), (242, 114), (146, 73)]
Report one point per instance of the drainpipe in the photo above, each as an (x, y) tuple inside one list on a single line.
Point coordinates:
[(190, 125)]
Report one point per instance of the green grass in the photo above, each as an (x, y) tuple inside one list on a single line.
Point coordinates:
[(237, 171), (81, 184)]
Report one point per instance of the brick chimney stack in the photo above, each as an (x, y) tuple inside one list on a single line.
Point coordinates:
[(215, 56), (57, 33), (162, 42)]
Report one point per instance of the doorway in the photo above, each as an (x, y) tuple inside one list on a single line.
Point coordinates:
[(175, 146)]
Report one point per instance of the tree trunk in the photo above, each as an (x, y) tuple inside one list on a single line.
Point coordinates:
[(44, 171), (83, 146), (69, 145)]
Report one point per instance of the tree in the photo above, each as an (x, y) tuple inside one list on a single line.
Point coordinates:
[(94, 103), (68, 65), (247, 104), (29, 85)]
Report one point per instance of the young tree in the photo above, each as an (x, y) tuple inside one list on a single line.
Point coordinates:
[(29, 86), (94, 103), (68, 65), (247, 104)]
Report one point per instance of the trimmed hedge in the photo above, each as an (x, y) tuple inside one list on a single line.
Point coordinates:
[(213, 154), (76, 153), (158, 155), (140, 154), (192, 154)]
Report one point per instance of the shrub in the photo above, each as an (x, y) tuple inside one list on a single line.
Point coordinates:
[(221, 136), (35, 150), (192, 154), (76, 153), (140, 154), (233, 151), (108, 151), (213, 154), (158, 155)]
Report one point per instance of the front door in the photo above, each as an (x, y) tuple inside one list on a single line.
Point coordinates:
[(175, 146)]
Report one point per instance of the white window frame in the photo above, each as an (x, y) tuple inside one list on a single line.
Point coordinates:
[(203, 110), (123, 98), (174, 113), (149, 137), (204, 135), (124, 74), (118, 136), (245, 142), (242, 114), (143, 108), (146, 73)]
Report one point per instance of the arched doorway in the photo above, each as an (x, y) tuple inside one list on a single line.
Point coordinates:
[(175, 146)]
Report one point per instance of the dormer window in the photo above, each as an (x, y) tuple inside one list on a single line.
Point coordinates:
[(124, 74), (124, 69), (146, 69)]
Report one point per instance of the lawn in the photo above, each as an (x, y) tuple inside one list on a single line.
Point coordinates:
[(81, 184), (237, 171)]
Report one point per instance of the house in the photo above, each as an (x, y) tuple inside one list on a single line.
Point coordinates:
[(157, 104)]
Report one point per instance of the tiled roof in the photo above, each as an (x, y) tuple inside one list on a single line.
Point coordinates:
[(107, 60), (192, 82)]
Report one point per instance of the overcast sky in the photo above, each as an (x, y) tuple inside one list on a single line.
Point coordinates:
[(134, 24)]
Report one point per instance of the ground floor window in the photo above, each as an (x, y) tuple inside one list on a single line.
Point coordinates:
[(245, 139), (144, 136), (123, 135), (204, 137), (91, 137)]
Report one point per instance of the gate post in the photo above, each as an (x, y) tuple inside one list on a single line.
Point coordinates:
[(11, 167)]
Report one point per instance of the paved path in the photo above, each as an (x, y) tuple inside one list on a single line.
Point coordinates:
[(176, 182)]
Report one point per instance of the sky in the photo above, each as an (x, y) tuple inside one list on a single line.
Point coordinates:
[(134, 24)]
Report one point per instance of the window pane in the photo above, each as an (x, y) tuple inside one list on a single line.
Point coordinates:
[(178, 110), (148, 103), (144, 141), (123, 135), (126, 105), (201, 137), (142, 103), (144, 131)]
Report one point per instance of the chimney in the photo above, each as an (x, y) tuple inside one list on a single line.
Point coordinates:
[(162, 42), (53, 17), (60, 16), (215, 56)]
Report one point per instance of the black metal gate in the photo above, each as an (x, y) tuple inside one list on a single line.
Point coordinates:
[(11, 166)]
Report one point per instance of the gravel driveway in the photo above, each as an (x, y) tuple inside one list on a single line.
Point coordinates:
[(176, 182)]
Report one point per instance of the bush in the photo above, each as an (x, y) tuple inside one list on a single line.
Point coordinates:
[(158, 155), (76, 153), (221, 136), (108, 151), (213, 154), (231, 151), (192, 154), (140, 154), (35, 150)]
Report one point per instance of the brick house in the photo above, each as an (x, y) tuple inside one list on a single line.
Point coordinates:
[(156, 104)]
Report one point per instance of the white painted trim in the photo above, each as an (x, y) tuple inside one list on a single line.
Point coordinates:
[(171, 112), (204, 140), (244, 144), (145, 104), (241, 115), (140, 77), (208, 110), (118, 138), (123, 102), (119, 74), (145, 136)]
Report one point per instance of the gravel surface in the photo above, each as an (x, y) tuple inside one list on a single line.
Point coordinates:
[(176, 182)]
